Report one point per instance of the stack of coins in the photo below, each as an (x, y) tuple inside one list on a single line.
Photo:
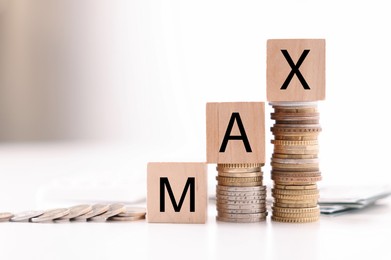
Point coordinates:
[(295, 165), (240, 195)]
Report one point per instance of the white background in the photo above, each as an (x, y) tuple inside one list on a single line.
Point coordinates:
[(126, 82)]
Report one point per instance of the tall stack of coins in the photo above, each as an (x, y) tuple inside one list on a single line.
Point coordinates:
[(240, 194), (295, 165)]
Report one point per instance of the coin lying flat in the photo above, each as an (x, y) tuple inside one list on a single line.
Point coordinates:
[(5, 216), (133, 212), (74, 212), (26, 215), (50, 215), (295, 220), (117, 218), (114, 210), (97, 209), (241, 220)]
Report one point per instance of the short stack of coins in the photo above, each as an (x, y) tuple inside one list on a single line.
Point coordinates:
[(295, 163), (240, 194)]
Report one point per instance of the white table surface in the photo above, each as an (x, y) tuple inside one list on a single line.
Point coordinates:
[(32, 176)]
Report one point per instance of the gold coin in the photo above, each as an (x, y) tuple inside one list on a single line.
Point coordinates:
[(297, 137), (289, 220), (238, 170), (298, 143), (290, 201), (296, 197), (296, 187), (295, 171), (240, 184), (301, 130), (296, 215), (296, 147), (291, 205), (240, 165), (296, 210), (241, 174), (239, 180), (289, 127), (295, 192), (294, 156), (297, 122), (240, 189)]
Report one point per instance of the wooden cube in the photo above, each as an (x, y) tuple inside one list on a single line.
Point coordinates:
[(177, 192), (296, 70), (235, 132)]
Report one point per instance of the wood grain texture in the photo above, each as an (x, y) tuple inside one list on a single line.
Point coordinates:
[(312, 69), (177, 174), (218, 116)]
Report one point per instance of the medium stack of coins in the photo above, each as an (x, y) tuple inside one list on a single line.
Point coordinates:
[(295, 165), (240, 194)]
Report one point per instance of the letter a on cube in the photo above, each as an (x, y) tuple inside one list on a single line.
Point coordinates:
[(235, 132), (177, 192)]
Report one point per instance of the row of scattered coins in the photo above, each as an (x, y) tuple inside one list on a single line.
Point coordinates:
[(96, 212), (240, 194), (295, 164)]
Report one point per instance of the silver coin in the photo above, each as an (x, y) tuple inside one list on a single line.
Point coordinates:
[(242, 216), (74, 212), (26, 215), (50, 215), (241, 189), (97, 209), (5, 216), (238, 220), (114, 210), (133, 212), (240, 198), (129, 218), (240, 202), (246, 206), (242, 211)]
